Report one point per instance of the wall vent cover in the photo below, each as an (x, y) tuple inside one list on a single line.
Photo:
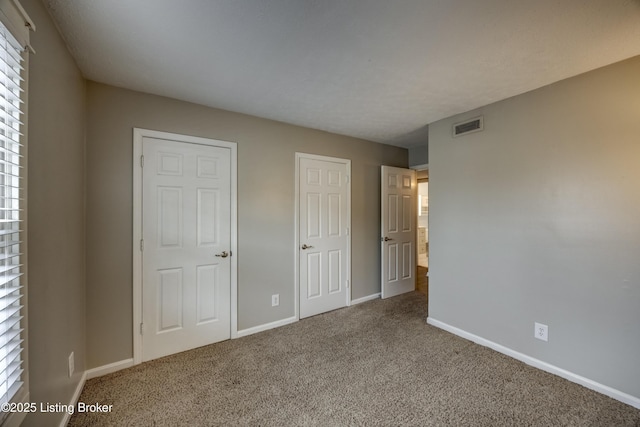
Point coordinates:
[(473, 125)]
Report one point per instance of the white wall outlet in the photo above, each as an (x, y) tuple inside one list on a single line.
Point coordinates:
[(72, 364), (275, 300), (541, 331)]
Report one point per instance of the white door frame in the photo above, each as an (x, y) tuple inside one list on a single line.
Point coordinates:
[(418, 168), (138, 135), (296, 269)]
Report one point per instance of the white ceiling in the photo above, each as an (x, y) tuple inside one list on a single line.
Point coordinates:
[(375, 69)]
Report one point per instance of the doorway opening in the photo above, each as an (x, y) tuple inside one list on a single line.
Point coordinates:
[(422, 247)]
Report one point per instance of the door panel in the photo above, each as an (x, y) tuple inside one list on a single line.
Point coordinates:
[(335, 271), (207, 206), (207, 289), (313, 215), (407, 258), (392, 261), (392, 225), (398, 211), (314, 277), (408, 213), (186, 205), (169, 306), (324, 238), (334, 211), (170, 216)]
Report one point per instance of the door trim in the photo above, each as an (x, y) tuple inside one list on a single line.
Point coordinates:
[(420, 167), (296, 268), (138, 135)]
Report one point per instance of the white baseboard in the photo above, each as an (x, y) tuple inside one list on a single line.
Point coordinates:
[(266, 327), (283, 322), (74, 399), (107, 369), (365, 299), (586, 382)]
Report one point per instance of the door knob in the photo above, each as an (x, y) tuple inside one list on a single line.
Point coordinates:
[(224, 254), (306, 247), (386, 239)]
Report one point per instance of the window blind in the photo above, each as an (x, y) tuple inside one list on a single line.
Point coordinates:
[(11, 198)]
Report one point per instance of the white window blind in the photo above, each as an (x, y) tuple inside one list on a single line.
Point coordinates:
[(11, 197)]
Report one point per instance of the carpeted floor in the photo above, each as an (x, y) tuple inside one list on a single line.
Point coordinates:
[(376, 363), (422, 281)]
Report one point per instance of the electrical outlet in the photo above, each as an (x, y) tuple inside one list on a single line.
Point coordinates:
[(72, 364), (275, 300), (541, 331)]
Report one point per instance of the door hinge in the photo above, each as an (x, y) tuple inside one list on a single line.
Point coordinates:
[(141, 161), (347, 283), (347, 178), (141, 245), (347, 231), (141, 328)]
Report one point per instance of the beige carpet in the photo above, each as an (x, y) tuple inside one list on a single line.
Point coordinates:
[(376, 363)]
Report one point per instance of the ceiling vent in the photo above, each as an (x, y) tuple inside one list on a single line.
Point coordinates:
[(469, 126)]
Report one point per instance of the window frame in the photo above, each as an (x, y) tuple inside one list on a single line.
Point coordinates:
[(16, 26)]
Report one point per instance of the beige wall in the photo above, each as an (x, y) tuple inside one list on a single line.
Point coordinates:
[(537, 219), (266, 155), (56, 290)]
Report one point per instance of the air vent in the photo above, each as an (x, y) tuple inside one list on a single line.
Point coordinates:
[(469, 126)]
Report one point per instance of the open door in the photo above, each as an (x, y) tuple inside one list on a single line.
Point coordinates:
[(398, 231)]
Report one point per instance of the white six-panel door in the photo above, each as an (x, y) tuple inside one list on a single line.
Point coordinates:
[(324, 222), (398, 201), (186, 214)]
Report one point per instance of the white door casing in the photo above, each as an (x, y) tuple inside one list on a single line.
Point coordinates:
[(323, 212), (398, 231), (185, 271)]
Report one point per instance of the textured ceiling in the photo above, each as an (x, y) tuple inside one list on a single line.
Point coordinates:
[(375, 69)]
